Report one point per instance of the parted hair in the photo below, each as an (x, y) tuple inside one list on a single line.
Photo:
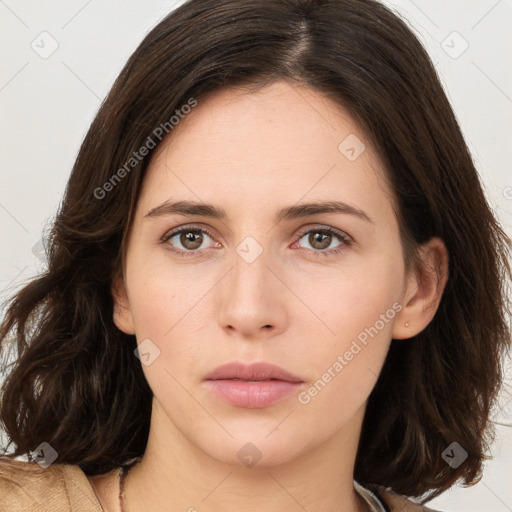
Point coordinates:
[(75, 382)]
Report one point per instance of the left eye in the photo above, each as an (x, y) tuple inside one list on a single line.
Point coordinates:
[(321, 239), (192, 238)]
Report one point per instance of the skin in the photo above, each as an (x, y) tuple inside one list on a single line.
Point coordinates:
[(253, 154)]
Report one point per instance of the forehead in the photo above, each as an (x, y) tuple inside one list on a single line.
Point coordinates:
[(281, 115), (283, 142)]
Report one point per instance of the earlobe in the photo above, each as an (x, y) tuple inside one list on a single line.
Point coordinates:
[(122, 316), (424, 290)]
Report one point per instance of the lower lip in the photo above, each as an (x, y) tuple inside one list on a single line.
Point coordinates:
[(252, 395)]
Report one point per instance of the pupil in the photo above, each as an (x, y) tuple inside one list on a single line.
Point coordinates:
[(318, 237), (188, 237)]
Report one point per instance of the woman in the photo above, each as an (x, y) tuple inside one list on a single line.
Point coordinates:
[(274, 282)]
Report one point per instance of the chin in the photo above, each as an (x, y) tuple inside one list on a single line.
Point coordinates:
[(255, 450)]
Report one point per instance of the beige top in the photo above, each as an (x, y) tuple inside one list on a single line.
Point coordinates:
[(27, 487)]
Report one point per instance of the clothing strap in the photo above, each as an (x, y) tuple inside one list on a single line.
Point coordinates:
[(370, 498)]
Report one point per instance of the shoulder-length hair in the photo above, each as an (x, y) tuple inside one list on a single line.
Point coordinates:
[(76, 383)]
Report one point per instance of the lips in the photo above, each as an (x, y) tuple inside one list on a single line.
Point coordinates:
[(254, 372), (252, 386)]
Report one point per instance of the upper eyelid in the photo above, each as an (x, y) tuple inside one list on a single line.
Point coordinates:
[(320, 227)]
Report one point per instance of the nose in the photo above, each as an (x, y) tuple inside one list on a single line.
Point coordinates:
[(252, 303)]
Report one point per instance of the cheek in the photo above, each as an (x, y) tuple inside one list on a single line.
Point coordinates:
[(163, 296), (356, 297), (169, 308), (343, 367), (357, 312), (165, 314)]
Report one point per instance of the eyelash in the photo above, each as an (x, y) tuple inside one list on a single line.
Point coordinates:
[(345, 239)]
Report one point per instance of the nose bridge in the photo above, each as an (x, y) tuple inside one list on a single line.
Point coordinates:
[(250, 267), (250, 300)]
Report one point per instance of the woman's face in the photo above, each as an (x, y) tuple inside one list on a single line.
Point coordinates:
[(258, 285)]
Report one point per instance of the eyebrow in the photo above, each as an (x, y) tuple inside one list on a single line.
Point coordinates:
[(288, 213)]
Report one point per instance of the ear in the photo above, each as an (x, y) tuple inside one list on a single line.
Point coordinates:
[(122, 313), (423, 291)]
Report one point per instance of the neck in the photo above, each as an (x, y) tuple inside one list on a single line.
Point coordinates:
[(174, 474)]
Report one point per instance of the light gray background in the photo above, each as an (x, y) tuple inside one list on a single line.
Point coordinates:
[(47, 105)]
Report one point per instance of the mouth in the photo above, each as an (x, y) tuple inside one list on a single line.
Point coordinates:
[(253, 386), (256, 372)]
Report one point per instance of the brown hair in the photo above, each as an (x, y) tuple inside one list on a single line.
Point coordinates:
[(76, 383)]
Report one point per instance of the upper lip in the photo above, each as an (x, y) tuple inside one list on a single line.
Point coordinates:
[(253, 371)]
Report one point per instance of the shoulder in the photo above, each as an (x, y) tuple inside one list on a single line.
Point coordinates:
[(27, 487), (399, 503)]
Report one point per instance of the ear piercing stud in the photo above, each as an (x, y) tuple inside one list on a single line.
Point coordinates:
[(406, 324)]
